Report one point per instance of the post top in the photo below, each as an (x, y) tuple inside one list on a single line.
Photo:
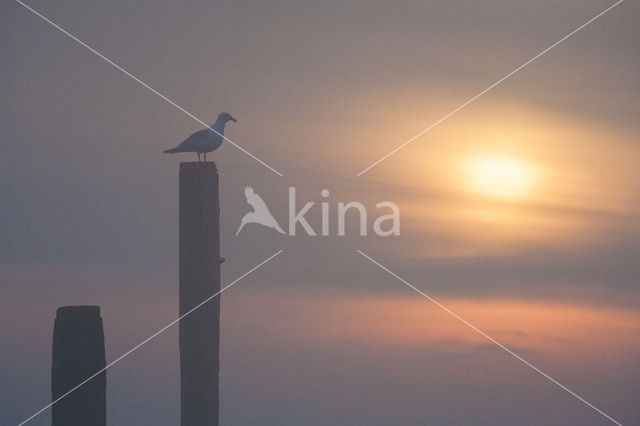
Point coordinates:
[(68, 311), (202, 165)]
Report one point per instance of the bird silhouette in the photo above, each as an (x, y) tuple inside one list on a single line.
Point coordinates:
[(205, 140), (260, 213)]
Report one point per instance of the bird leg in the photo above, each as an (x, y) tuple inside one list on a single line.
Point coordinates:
[(198, 156)]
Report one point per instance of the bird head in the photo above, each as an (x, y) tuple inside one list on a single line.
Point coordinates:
[(225, 116)]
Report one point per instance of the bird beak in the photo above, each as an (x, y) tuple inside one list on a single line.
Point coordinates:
[(233, 119)]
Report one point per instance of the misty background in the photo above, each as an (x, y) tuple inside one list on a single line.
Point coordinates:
[(321, 90)]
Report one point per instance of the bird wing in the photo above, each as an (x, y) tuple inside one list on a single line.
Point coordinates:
[(193, 141), (254, 200)]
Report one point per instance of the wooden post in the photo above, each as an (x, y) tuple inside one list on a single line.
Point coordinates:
[(199, 279), (77, 354)]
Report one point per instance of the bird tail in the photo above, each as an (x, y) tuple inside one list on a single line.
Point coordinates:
[(277, 227), (241, 226), (170, 151)]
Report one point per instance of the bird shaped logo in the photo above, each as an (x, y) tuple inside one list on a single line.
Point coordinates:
[(260, 213)]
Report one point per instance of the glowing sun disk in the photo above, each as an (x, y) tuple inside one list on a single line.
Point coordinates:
[(500, 177)]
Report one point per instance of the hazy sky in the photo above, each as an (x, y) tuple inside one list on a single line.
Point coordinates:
[(521, 211)]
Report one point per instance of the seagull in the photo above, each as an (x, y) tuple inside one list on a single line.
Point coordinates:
[(205, 140), (260, 213)]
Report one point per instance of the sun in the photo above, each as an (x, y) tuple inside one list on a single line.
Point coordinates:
[(500, 177)]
